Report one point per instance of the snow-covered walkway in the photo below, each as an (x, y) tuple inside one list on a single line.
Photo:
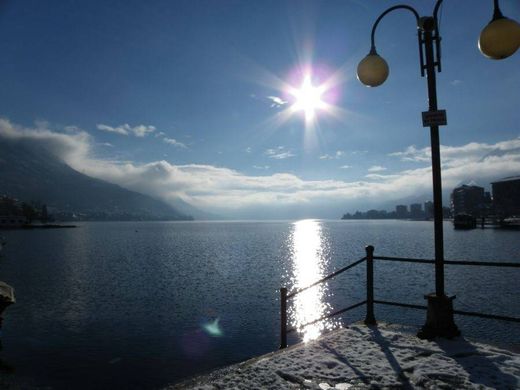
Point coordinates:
[(359, 357)]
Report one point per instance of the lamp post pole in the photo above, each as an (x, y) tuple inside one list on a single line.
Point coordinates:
[(439, 317), (499, 39), (427, 27), (373, 71)]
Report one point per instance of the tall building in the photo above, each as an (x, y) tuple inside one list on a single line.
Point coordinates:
[(468, 200), (428, 209), (506, 196), (401, 211), (416, 211)]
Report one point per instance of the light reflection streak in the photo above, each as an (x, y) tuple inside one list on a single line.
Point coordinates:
[(309, 258)]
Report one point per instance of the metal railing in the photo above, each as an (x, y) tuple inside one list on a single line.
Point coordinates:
[(284, 297), (370, 300)]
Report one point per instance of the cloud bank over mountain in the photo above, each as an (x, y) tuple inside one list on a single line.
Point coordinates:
[(233, 194)]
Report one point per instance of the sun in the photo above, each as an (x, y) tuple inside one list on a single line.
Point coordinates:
[(308, 92), (308, 98)]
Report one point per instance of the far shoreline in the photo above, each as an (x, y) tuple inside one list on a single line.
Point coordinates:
[(31, 227)]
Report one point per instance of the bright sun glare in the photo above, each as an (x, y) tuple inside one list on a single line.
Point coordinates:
[(308, 92), (308, 98)]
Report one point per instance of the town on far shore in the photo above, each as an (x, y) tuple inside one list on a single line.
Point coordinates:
[(470, 203)]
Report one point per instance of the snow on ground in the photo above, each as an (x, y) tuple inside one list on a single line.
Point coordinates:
[(360, 357)]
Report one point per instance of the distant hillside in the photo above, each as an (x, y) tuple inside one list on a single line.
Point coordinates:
[(33, 174)]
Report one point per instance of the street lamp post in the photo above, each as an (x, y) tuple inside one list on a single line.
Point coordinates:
[(499, 39)]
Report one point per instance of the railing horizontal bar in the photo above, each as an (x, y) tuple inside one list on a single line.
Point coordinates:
[(482, 263), (401, 304), (404, 260), (330, 315), (346, 309), (299, 290), (459, 312), (450, 262), (492, 316)]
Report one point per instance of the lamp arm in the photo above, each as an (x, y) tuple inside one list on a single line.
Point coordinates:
[(437, 35), (436, 9), (374, 27), (497, 14)]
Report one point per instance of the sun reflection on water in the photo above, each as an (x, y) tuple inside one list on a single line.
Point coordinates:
[(309, 258)]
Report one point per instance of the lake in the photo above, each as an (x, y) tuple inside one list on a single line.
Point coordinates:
[(146, 304)]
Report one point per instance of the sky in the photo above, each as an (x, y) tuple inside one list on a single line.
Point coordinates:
[(202, 100)]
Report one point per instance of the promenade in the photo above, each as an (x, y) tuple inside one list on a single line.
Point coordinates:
[(361, 357)]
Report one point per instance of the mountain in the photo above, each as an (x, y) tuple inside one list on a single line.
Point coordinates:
[(196, 213), (31, 173)]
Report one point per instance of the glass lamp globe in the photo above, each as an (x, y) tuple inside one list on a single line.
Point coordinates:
[(372, 70), (500, 38)]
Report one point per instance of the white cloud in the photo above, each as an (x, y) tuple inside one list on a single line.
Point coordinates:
[(376, 168), (460, 155), (126, 129), (283, 155), (142, 130), (378, 176), (248, 149), (67, 146), (358, 152), (119, 130), (279, 153), (227, 191), (413, 154), (276, 101), (174, 142), (71, 129), (263, 167), (346, 166), (335, 156)]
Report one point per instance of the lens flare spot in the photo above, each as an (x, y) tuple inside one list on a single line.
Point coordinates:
[(213, 328)]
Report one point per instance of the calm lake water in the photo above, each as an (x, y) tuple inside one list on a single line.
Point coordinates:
[(143, 305)]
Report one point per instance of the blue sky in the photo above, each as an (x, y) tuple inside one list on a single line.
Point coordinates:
[(182, 99)]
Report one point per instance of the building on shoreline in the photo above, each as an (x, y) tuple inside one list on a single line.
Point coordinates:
[(506, 196), (401, 211), (428, 210), (416, 211), (468, 199)]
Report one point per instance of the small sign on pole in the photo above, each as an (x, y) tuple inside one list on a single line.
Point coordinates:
[(434, 118)]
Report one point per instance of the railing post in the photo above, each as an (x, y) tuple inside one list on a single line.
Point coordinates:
[(283, 317), (370, 319)]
